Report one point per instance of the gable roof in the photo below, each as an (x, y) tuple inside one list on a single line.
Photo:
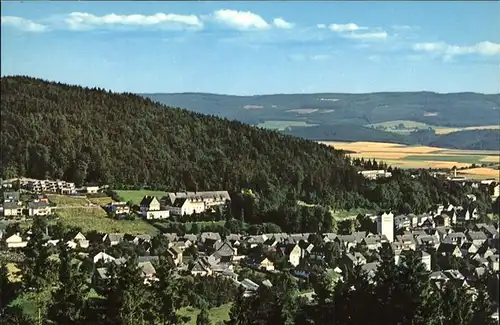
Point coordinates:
[(446, 248), (11, 196), (147, 268), (37, 205), (146, 200)]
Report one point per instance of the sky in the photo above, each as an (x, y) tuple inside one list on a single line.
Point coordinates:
[(250, 47)]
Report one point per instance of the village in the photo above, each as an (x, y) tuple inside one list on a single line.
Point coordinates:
[(453, 242)]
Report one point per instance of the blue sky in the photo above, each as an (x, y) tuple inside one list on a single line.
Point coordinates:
[(248, 48)]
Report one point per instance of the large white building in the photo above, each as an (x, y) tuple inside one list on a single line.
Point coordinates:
[(385, 225), (187, 203)]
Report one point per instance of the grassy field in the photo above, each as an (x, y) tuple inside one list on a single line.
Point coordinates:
[(466, 159), (400, 126), (217, 314), (101, 200), (96, 219), (402, 156), (70, 201), (136, 196), (282, 125), (406, 126), (446, 130)]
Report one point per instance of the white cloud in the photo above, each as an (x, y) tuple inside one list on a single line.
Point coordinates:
[(281, 23), (242, 20), (23, 24), (321, 26), (405, 27), (83, 20), (345, 27), (485, 48), (367, 36)]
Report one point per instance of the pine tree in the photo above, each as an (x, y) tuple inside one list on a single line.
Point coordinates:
[(239, 310), (166, 292), (128, 299), (35, 268), (203, 317), (68, 305)]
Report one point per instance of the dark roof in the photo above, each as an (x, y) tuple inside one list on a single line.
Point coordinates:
[(146, 201), (37, 205), (179, 202), (11, 205), (224, 249), (446, 248)]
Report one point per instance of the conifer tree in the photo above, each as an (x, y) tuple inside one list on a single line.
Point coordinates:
[(68, 301), (203, 317)]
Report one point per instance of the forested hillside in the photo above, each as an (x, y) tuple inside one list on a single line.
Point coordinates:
[(90, 135), (80, 134)]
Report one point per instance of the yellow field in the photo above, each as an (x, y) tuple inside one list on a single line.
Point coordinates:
[(481, 172), (446, 130), (403, 156)]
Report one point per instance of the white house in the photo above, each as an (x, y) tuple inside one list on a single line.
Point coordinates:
[(160, 214), (15, 241), (91, 188), (106, 258), (187, 206), (81, 240), (39, 208)]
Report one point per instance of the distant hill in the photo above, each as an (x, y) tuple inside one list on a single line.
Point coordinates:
[(335, 116)]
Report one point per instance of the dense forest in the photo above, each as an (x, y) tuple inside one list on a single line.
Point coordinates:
[(91, 135)]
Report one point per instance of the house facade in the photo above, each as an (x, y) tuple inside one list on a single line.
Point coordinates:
[(39, 209)]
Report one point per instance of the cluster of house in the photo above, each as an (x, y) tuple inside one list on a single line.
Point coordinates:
[(218, 256), (13, 206), (39, 186), (179, 204), (375, 174)]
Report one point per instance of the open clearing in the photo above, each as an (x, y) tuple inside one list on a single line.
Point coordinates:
[(406, 126), (136, 196), (95, 218), (68, 201), (403, 156), (101, 200), (217, 314), (445, 130), (282, 125)]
